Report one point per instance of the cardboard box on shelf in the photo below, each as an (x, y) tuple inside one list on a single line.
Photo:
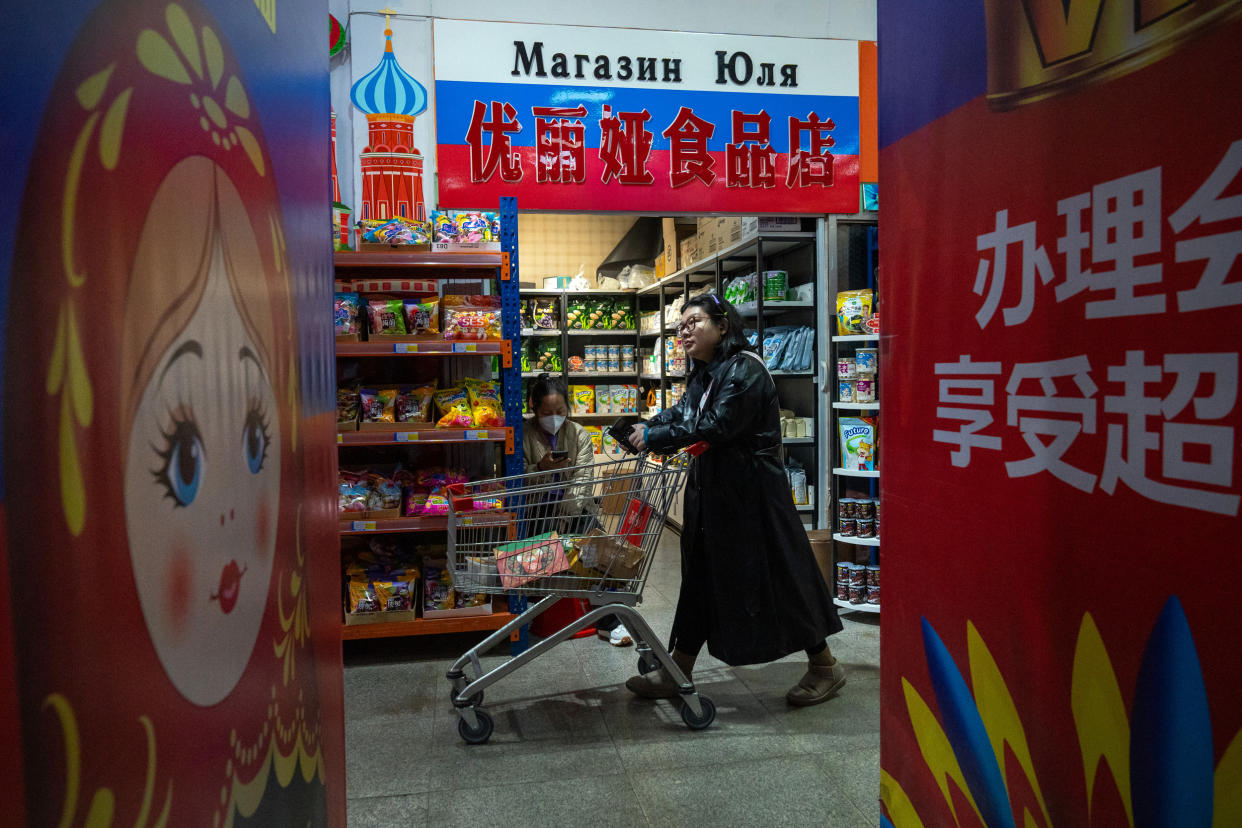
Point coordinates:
[(769, 224), (728, 231), (669, 257), (687, 251)]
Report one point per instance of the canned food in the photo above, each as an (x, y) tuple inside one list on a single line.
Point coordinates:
[(847, 368), (845, 390), (858, 575), (864, 391), (866, 361), (844, 507), (614, 364), (858, 594), (864, 509), (842, 569), (627, 365), (873, 595), (843, 591), (627, 351), (589, 365), (848, 528), (873, 576), (865, 527), (614, 352)]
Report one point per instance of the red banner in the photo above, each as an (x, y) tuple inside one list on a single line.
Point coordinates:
[(1062, 304)]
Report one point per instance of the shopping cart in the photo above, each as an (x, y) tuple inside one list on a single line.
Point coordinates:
[(585, 532)]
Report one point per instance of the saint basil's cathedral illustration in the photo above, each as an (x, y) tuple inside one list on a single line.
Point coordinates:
[(392, 167)]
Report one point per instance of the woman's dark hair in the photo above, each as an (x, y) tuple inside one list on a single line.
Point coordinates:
[(545, 385), (733, 339)]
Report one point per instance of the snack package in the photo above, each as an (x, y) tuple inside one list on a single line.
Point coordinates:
[(396, 230), (353, 492), (485, 403), (378, 405), (414, 404), (577, 313), (582, 399), (858, 446), (471, 317), (423, 316), (599, 315), (853, 311), (543, 314), (437, 587), (453, 407), (796, 474), (443, 229), (387, 317), (622, 318), (395, 595), (347, 405), (596, 433), (385, 493), (345, 308), (362, 596), (545, 355)]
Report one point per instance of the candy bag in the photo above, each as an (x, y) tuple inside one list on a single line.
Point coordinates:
[(362, 597), (485, 403), (453, 405), (378, 406), (443, 229), (472, 317), (422, 317), (347, 405), (414, 404), (345, 308), (387, 317), (853, 311), (385, 493)]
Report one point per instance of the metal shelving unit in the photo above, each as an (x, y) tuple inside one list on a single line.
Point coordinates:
[(853, 253)]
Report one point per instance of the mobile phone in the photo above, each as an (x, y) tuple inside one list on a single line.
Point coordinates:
[(560, 454)]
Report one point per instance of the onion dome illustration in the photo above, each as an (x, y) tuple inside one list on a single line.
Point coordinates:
[(388, 88)]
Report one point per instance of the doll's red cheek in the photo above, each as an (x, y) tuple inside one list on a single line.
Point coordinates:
[(263, 526), (178, 589)]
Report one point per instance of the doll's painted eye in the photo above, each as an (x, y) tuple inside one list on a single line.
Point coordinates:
[(255, 439), (182, 470)]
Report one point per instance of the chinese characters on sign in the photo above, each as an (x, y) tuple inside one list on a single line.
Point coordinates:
[(1175, 406), (625, 142)]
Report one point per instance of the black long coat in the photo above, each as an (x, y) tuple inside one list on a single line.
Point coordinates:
[(764, 592)]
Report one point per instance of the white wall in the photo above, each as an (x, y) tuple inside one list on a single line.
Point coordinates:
[(845, 19)]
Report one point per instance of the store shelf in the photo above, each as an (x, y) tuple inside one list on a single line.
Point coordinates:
[(849, 473), (857, 338), (798, 441), (567, 292), (430, 347), (604, 374), (438, 435), (846, 605), (427, 626), (451, 263), (792, 373), (855, 540), (774, 243), (540, 332), (805, 507), (752, 308), (872, 406), (428, 523), (614, 332), (533, 374), (604, 414)]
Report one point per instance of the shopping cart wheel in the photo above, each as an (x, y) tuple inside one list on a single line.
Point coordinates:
[(699, 722), (647, 664), (479, 735)]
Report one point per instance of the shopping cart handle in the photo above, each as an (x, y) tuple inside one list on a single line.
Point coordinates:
[(462, 502), (697, 449)]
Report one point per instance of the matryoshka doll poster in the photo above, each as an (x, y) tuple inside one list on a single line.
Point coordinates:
[(168, 469)]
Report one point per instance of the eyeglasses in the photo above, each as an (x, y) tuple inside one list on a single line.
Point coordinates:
[(689, 325)]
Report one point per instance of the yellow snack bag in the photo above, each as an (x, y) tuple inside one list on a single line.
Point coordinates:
[(453, 405), (853, 311), (485, 403), (597, 438), (582, 399)]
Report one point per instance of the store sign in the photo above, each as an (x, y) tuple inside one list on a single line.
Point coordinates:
[(1062, 307), (572, 118)]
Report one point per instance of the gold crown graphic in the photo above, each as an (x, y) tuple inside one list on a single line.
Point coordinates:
[(1041, 48)]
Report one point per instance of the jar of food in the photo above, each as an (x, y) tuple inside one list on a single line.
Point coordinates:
[(865, 509), (864, 527), (844, 509), (843, 591), (864, 391), (873, 575), (866, 360), (873, 595), (858, 594), (842, 570), (858, 575), (845, 391), (847, 368), (848, 527)]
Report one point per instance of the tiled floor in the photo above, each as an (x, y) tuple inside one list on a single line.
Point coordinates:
[(572, 746)]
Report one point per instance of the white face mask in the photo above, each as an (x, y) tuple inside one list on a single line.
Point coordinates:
[(551, 423)]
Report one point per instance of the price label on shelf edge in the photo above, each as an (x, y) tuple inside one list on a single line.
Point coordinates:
[(407, 436), (405, 348), (465, 347), (363, 526)]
